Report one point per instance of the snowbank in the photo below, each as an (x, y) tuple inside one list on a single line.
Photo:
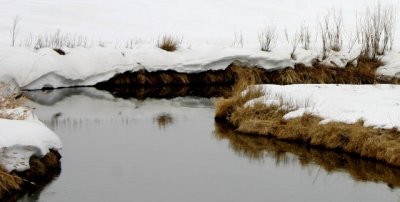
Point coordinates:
[(376, 105), (21, 139), (88, 66)]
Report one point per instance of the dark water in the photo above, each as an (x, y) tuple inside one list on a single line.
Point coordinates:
[(172, 150)]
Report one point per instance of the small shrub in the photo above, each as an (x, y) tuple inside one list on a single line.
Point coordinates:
[(14, 29), (294, 42), (267, 38), (238, 40), (331, 32), (305, 36), (376, 32), (169, 43), (56, 41)]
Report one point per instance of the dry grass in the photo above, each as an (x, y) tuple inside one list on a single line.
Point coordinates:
[(259, 119), (363, 73), (244, 78), (13, 183), (9, 183), (267, 38), (258, 148), (169, 43), (10, 101)]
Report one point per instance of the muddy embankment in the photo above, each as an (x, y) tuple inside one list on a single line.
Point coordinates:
[(42, 171)]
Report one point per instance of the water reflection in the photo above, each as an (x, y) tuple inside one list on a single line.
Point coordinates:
[(168, 92), (284, 153), (34, 192), (163, 120), (83, 107), (168, 147)]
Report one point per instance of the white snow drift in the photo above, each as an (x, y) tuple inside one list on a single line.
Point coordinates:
[(21, 139), (377, 105)]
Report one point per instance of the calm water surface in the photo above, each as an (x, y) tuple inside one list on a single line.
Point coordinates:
[(172, 150)]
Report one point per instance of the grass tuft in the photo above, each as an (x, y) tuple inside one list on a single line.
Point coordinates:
[(169, 43)]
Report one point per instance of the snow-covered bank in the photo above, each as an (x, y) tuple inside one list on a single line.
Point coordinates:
[(81, 66), (377, 105), (87, 66), (22, 139)]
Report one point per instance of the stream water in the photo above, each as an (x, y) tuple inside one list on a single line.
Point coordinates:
[(172, 150)]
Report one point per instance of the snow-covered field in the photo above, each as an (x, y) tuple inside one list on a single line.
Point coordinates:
[(377, 105), (208, 29)]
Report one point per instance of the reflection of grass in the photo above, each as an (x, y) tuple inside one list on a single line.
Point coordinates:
[(163, 120), (257, 148)]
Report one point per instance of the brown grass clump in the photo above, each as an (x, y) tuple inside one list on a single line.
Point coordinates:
[(244, 78), (256, 148), (363, 73), (260, 119), (169, 43), (9, 183)]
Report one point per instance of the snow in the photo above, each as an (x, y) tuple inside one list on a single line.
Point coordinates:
[(377, 105), (21, 139), (391, 67), (207, 28), (88, 66)]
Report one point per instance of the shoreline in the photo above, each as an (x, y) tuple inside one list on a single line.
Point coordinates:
[(41, 172), (268, 120), (256, 147)]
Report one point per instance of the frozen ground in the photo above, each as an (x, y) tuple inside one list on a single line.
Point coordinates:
[(207, 28), (376, 105)]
